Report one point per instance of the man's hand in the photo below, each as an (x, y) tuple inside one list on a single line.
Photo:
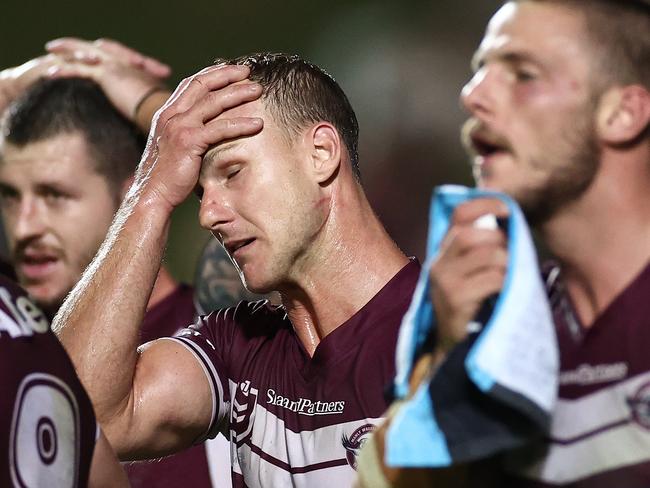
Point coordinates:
[(470, 268), (189, 124), (14, 81), (125, 75)]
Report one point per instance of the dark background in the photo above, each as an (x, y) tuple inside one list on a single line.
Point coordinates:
[(402, 65)]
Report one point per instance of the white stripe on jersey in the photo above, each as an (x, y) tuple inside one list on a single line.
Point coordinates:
[(269, 434), (262, 474), (297, 449), (591, 435), (217, 451), (220, 408)]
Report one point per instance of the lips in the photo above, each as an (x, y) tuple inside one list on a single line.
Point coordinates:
[(36, 265), (486, 147), (482, 141), (236, 247)]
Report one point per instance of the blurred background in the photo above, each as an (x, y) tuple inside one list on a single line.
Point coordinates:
[(402, 65)]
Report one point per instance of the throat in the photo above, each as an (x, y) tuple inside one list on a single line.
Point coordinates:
[(305, 324), (309, 339)]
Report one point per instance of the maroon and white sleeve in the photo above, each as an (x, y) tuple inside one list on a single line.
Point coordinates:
[(198, 339)]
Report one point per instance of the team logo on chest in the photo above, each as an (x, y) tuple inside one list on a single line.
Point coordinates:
[(242, 414), (355, 442), (640, 406)]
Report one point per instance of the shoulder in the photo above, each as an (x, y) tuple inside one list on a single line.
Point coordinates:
[(249, 318)]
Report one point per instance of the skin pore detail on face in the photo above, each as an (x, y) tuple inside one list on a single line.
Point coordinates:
[(271, 244), (533, 105), (56, 210)]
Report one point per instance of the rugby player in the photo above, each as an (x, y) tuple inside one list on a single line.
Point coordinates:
[(269, 144), (67, 156), (48, 432), (559, 119)]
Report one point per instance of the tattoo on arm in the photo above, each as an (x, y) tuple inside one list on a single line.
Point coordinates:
[(217, 281)]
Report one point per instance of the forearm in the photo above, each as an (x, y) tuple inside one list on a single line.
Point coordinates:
[(99, 322)]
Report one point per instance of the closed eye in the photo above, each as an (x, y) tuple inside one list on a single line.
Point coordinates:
[(231, 174), (524, 76), (53, 194)]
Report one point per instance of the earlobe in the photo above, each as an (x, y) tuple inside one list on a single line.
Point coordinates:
[(623, 114), (326, 151)]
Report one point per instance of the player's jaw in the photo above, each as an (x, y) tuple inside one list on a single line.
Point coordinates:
[(261, 265), (244, 250)]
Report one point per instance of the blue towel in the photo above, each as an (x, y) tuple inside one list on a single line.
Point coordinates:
[(496, 390)]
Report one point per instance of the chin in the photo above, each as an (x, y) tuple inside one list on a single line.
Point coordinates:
[(49, 305), (257, 284), (491, 185)]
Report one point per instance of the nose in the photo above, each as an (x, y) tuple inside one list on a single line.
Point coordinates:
[(477, 96), (215, 211), (29, 221)]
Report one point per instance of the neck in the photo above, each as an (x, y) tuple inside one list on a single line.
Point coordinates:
[(162, 288), (602, 240), (351, 260)]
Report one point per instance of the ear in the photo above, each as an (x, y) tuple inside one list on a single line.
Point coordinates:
[(623, 114), (325, 145)]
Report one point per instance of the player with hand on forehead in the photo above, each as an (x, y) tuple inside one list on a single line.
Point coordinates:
[(269, 143)]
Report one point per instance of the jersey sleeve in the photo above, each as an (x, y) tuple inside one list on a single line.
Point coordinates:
[(209, 340)]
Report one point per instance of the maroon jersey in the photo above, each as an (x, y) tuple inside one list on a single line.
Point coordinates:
[(600, 435), (189, 467), (47, 425), (292, 419)]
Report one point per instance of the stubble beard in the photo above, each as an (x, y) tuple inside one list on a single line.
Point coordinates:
[(569, 181)]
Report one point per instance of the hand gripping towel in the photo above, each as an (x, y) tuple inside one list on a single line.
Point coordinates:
[(496, 390)]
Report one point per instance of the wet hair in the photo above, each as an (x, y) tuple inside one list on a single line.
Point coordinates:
[(51, 107), (619, 33), (298, 93)]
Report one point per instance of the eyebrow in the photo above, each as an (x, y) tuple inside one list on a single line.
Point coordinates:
[(218, 151), (508, 57)]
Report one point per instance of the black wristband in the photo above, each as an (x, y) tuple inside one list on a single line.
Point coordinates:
[(148, 93)]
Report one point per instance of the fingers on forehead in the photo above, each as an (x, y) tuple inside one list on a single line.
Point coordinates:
[(218, 76), (226, 129), (234, 95), (208, 79)]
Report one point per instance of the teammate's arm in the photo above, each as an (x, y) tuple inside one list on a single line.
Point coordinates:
[(105, 470), (158, 393), (132, 81)]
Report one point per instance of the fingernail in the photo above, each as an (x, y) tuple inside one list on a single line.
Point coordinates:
[(53, 70)]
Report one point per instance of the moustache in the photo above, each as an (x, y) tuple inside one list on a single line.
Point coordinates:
[(479, 139), (30, 248)]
